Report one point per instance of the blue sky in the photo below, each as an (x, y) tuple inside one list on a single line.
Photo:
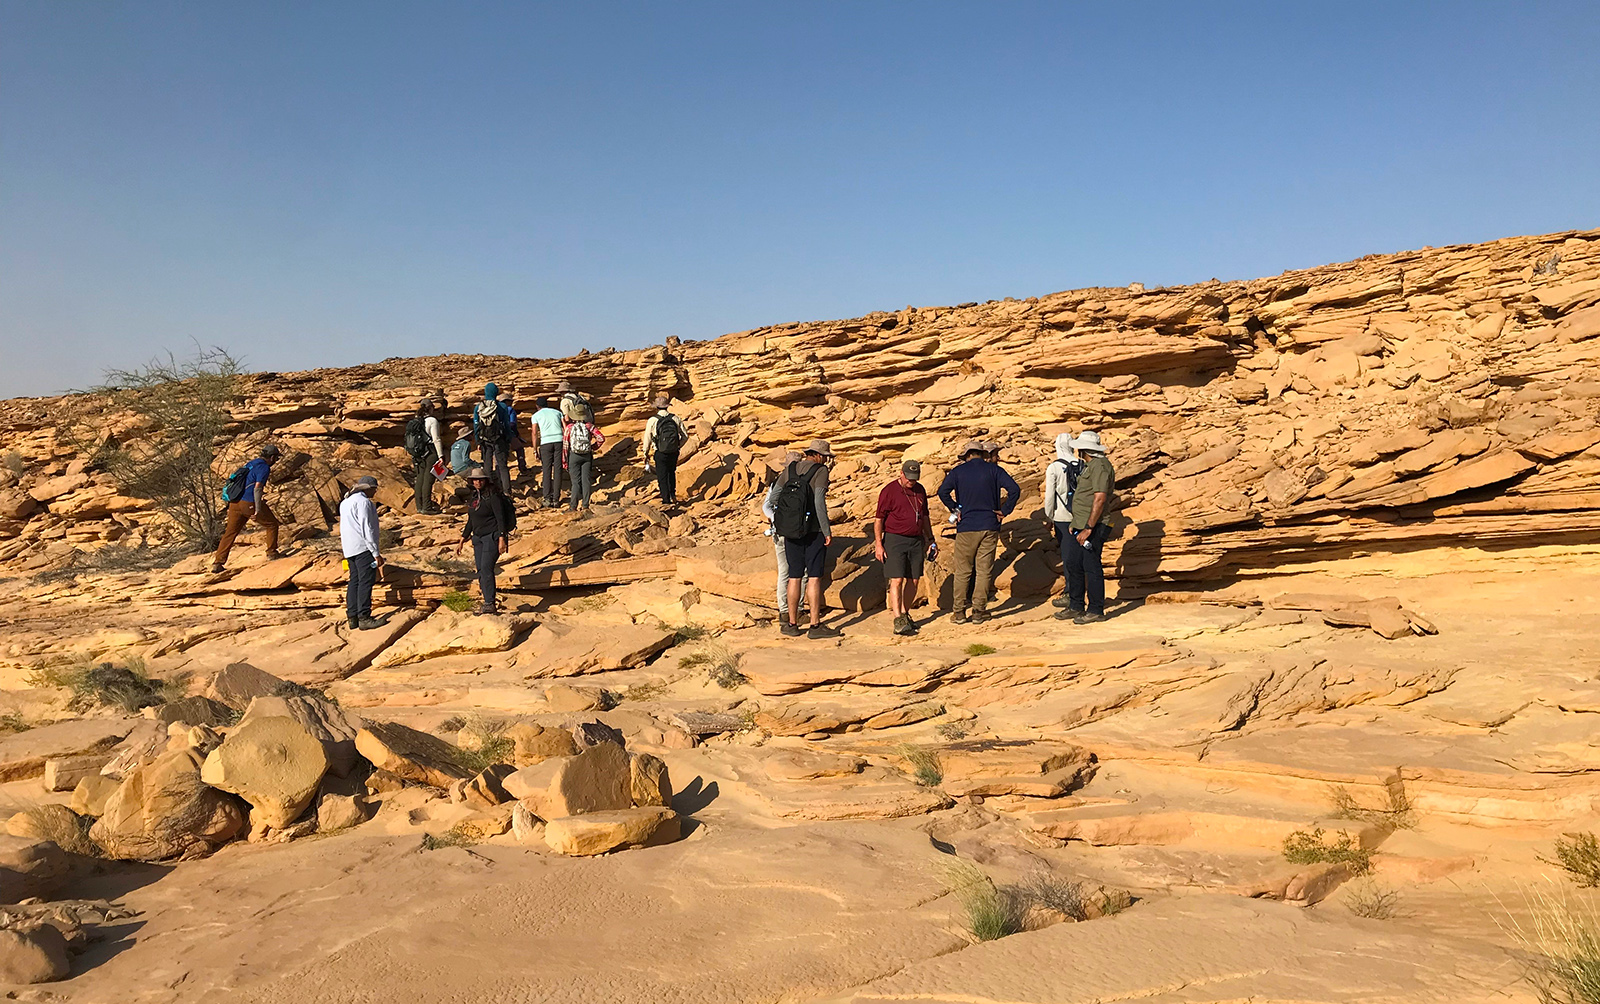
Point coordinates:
[(311, 184)]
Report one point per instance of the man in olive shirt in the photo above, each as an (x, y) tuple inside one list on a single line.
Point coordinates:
[(1091, 500)]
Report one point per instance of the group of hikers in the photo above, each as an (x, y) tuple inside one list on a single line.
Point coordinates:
[(978, 493)]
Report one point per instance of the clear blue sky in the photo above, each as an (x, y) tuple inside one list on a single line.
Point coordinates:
[(335, 182)]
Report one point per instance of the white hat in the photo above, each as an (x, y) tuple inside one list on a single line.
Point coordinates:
[(1089, 441)]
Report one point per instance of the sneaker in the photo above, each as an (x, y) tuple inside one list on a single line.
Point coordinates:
[(959, 617), (903, 626), (368, 623), (274, 555), (979, 616), (823, 631), (486, 611), (791, 630), (1069, 614), (1088, 618), (1061, 601), (354, 624), (217, 569)]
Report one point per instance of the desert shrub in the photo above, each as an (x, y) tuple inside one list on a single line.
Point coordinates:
[(1578, 854), (1304, 847), (12, 721), (690, 632), (1073, 900), (719, 662), (61, 826), (453, 724), (1366, 897), (485, 742), (457, 836), (989, 912), (1562, 940), (924, 764), (186, 407), (458, 601), (953, 730), (1396, 815), (647, 691), (108, 685), (978, 648), (14, 463)]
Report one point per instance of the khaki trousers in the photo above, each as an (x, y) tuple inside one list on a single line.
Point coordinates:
[(240, 513), (974, 552)]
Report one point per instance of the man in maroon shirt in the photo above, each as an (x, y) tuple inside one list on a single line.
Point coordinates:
[(904, 539)]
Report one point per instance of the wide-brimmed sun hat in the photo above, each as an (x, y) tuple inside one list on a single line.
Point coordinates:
[(1089, 441), (365, 482), (475, 474), (819, 446)]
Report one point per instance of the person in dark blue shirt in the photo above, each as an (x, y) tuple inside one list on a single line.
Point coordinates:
[(981, 495), (252, 504)]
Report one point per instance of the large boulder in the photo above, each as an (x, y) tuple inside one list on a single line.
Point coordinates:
[(30, 867), (328, 723), (239, 683), (273, 763), (412, 755), (64, 772), (35, 953), (89, 797), (447, 632), (164, 810), (595, 780), (24, 755), (599, 832), (648, 782), (537, 743)]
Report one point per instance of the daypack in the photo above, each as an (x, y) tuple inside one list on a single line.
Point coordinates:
[(417, 442), (491, 422), (579, 440), (233, 490), (669, 434), (585, 412), (791, 511), (1072, 476)]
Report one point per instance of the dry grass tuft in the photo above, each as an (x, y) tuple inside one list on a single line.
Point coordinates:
[(924, 764), (1578, 854), (1397, 815), (1562, 938), (107, 685), (1367, 897)]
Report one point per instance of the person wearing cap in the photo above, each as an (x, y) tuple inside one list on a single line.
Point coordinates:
[(768, 510), (664, 436), (425, 443), (1086, 583), (806, 543), (1060, 478), (981, 495), (904, 537), (547, 428), (252, 505), (488, 525), (358, 534)]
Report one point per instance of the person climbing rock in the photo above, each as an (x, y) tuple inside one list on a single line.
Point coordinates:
[(1060, 478), (664, 436), (245, 493), (425, 443), (490, 520), (492, 430), (580, 440), (800, 515), (547, 429)]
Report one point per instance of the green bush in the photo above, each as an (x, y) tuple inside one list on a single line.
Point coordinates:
[(978, 648), (458, 601), (1562, 938), (1578, 854), (990, 912), (1305, 848)]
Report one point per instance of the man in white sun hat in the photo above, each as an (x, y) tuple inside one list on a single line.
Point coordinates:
[(1091, 503)]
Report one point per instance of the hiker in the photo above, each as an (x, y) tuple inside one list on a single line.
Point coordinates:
[(461, 449), (574, 407), (1091, 502), (767, 510), (425, 443), (579, 441), (490, 520), (800, 515), (547, 429), (245, 495), (1060, 478), (904, 537), (491, 428), (518, 445), (664, 436), (972, 490), (358, 533)]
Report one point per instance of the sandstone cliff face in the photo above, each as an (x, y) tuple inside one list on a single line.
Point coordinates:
[(1442, 396)]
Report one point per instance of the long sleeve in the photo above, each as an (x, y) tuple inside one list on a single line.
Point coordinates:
[(650, 436), (1013, 492), (432, 425), (370, 526), (771, 500), (1052, 482), (947, 491), (819, 495)]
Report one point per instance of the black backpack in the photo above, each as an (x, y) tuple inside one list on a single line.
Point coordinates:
[(791, 512), (1072, 476), (233, 490), (417, 442), (669, 434)]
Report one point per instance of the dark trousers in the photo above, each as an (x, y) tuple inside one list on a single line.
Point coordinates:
[(422, 484), (517, 448), (358, 593), (582, 465), (485, 553), (550, 460), (1084, 575), (667, 476)]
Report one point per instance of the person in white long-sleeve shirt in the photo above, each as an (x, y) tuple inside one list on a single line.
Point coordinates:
[(358, 533)]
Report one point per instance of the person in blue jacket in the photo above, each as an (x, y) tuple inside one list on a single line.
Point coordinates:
[(981, 494)]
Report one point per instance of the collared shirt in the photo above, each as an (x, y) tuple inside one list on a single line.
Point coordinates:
[(358, 525), (1096, 476), (975, 487), (547, 426), (903, 510)]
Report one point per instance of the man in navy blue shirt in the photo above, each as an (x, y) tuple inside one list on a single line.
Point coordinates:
[(250, 505), (982, 495)]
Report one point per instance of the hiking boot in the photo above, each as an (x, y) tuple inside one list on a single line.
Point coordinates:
[(979, 616), (1070, 613), (368, 623), (793, 631), (959, 617), (354, 624), (903, 625), (483, 610), (274, 555), (217, 569), (1061, 601), (823, 631), (1088, 618)]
